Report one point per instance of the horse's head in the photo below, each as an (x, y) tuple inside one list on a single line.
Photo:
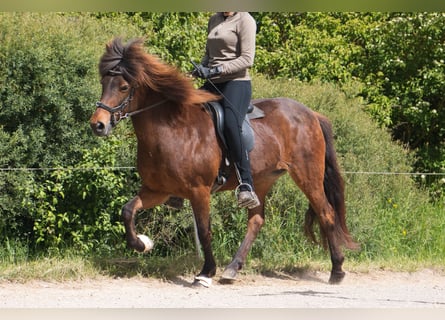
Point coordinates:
[(125, 68), (118, 79), (114, 104)]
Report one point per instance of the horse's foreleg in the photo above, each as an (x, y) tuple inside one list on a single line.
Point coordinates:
[(145, 199), (254, 224), (201, 209)]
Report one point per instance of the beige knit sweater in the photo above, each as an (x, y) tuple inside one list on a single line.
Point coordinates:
[(231, 44)]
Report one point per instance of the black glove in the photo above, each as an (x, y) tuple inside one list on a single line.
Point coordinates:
[(205, 72)]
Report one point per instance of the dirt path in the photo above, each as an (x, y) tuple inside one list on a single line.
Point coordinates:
[(422, 289)]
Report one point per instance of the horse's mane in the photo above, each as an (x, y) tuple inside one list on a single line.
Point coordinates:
[(142, 69)]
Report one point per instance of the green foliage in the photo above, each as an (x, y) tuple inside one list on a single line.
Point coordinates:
[(80, 207), (48, 86), (176, 37), (306, 46), (406, 66), (37, 105), (397, 59)]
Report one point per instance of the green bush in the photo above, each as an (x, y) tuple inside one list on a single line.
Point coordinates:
[(310, 46), (397, 60), (406, 72), (79, 207), (48, 86)]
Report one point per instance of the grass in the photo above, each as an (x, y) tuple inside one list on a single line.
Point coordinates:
[(49, 269), (77, 268)]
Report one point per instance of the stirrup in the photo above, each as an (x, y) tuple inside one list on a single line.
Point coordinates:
[(247, 198)]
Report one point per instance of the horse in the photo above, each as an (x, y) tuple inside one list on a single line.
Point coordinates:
[(179, 154)]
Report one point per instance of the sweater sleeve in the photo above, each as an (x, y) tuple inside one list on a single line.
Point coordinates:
[(247, 37)]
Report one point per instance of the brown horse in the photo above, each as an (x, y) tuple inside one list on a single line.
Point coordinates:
[(179, 153)]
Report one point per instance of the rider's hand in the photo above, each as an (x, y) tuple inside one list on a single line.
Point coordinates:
[(205, 72)]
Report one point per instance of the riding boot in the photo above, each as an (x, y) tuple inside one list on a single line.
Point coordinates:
[(246, 194), (247, 197)]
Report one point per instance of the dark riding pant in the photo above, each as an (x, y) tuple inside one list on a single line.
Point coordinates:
[(236, 100)]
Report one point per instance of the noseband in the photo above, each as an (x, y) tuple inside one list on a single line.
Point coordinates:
[(119, 110)]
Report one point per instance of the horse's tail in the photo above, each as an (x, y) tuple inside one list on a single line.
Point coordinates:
[(334, 189)]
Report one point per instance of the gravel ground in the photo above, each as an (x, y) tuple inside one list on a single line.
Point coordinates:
[(377, 289)]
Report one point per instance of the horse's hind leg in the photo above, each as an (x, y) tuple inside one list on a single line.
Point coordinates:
[(337, 257), (322, 209)]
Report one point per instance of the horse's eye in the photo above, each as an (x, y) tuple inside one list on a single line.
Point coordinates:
[(125, 87)]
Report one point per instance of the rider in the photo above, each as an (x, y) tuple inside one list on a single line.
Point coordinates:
[(230, 51)]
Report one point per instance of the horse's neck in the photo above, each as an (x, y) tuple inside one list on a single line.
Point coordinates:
[(151, 127)]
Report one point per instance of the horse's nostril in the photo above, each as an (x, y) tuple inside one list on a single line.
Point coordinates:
[(100, 126)]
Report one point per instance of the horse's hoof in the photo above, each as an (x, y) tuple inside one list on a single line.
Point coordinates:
[(148, 243), (336, 277), (228, 276), (202, 281)]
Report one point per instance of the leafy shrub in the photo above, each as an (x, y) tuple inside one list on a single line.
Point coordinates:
[(48, 86), (406, 67), (395, 58), (307, 46), (80, 207)]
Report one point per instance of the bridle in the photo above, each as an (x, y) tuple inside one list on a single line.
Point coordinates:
[(119, 110)]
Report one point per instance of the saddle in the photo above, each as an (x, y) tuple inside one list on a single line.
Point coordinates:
[(247, 135)]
